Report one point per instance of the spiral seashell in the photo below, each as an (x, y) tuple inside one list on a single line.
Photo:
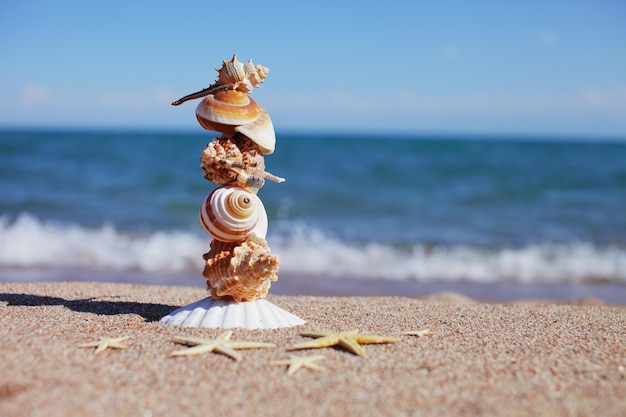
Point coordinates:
[(239, 76), (224, 111), (255, 73), (230, 213), (233, 75), (232, 111)]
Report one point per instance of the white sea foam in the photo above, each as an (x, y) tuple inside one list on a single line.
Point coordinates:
[(30, 243), (542, 263), (27, 242)]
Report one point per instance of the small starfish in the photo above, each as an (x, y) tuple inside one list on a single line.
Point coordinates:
[(297, 362), (349, 340), (418, 333), (105, 343), (221, 344)]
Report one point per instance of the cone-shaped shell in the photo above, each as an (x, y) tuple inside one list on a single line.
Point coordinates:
[(255, 73), (224, 111), (239, 76), (261, 132), (230, 213), (232, 72), (233, 75)]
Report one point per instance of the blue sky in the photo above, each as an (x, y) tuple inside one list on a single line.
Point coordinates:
[(468, 67)]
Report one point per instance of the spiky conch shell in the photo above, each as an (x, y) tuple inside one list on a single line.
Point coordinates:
[(230, 213), (227, 108), (243, 271), (232, 76), (239, 76), (255, 73)]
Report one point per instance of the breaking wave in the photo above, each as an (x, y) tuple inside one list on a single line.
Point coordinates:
[(28, 242)]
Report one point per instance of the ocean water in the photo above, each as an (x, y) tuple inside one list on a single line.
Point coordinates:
[(364, 208)]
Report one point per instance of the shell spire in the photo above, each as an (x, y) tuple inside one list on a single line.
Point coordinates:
[(233, 75), (256, 73)]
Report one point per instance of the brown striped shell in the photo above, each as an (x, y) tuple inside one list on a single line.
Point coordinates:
[(231, 213), (226, 110), (232, 111)]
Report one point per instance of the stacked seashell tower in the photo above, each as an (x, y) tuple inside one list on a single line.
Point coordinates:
[(239, 267)]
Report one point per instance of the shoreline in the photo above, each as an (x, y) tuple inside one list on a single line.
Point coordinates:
[(609, 293), (545, 359)]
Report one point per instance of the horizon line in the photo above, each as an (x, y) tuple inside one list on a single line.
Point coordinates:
[(307, 132)]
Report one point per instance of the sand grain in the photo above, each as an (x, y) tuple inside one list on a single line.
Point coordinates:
[(483, 359)]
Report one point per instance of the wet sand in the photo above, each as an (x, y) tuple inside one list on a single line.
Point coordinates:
[(524, 358)]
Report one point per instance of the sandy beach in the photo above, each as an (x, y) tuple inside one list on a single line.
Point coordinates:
[(525, 358)]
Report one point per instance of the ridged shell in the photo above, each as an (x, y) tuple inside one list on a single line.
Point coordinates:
[(232, 72), (255, 73), (225, 110), (225, 313), (240, 76), (241, 271), (230, 213), (261, 132), (233, 75)]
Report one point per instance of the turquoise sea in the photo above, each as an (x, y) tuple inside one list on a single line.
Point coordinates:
[(493, 217)]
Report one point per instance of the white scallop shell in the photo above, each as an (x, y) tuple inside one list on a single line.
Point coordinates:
[(230, 213), (226, 313)]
